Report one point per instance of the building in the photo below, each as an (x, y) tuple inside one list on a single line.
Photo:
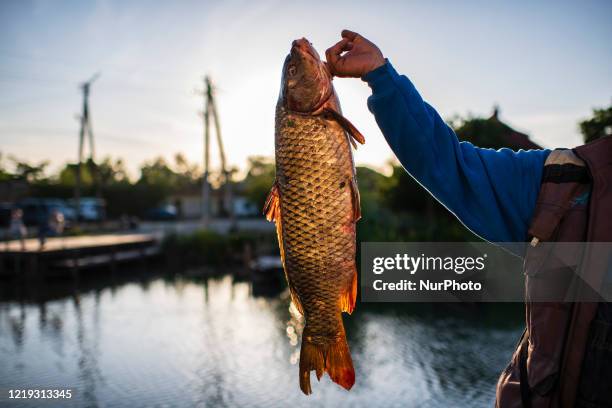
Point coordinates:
[(189, 203), (510, 137)]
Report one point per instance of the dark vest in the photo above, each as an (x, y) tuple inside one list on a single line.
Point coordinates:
[(564, 358)]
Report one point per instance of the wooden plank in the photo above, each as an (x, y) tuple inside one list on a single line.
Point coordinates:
[(103, 259), (61, 244)]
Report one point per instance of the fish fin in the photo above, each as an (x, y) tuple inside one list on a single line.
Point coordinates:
[(349, 297), (356, 200), (339, 364), (273, 213), (272, 206), (311, 358), (334, 359), (296, 300), (346, 125)]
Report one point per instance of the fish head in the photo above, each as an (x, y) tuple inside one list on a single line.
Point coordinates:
[(306, 83)]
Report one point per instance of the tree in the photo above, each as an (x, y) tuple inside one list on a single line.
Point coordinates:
[(189, 171), (599, 125), (4, 173), (482, 132), (67, 176), (29, 172), (157, 172), (259, 179), (112, 172)]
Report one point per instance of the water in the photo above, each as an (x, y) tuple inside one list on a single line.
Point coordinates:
[(166, 342)]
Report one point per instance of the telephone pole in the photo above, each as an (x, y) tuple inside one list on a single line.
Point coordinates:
[(226, 203), (205, 183), (85, 128)]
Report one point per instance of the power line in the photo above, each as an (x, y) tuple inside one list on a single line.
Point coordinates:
[(44, 132)]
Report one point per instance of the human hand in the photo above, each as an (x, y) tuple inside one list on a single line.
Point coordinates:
[(360, 56)]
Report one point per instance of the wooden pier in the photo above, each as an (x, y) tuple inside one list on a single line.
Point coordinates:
[(74, 253)]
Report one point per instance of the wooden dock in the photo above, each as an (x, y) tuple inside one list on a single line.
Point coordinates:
[(74, 253)]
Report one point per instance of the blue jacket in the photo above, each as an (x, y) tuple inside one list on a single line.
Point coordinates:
[(492, 192)]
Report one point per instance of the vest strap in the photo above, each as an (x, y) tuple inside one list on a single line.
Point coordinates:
[(565, 173), (524, 378)]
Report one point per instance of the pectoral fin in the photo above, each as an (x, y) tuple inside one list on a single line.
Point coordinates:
[(346, 125)]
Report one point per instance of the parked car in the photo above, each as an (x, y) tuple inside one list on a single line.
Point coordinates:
[(36, 209), (5, 214), (162, 213), (91, 209)]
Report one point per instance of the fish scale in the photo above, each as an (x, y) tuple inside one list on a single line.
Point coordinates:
[(313, 159), (315, 204)]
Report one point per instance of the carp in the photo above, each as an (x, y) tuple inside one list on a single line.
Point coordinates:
[(315, 204)]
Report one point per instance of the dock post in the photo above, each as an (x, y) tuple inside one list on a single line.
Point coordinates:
[(17, 264), (31, 267), (143, 257), (113, 260), (75, 264)]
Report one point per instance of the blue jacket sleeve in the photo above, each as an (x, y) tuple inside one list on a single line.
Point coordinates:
[(492, 192)]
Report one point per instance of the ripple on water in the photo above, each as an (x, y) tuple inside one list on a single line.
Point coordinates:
[(184, 343)]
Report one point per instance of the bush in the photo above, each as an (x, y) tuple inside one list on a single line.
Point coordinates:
[(205, 247)]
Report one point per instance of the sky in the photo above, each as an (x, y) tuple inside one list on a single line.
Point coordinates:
[(547, 65)]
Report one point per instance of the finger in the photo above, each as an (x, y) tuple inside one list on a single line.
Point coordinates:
[(333, 53), (351, 35)]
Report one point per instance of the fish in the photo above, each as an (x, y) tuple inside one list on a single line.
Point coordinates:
[(314, 203)]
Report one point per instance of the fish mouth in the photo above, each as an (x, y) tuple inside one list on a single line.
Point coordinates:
[(318, 73), (303, 46)]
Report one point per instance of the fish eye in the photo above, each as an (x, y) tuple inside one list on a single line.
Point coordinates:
[(292, 70)]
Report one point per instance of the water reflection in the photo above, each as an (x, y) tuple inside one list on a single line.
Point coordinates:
[(177, 341)]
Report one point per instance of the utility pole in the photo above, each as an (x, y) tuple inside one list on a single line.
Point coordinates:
[(205, 183), (210, 109), (85, 127)]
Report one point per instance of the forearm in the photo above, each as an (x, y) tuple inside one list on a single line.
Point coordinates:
[(491, 192)]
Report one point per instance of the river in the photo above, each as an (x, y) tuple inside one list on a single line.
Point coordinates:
[(176, 341)]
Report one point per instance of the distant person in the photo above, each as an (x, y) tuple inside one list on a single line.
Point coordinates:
[(128, 222), (565, 356), (17, 229), (44, 230), (57, 222), (124, 222)]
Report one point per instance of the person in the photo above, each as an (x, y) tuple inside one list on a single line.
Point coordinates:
[(57, 222), (17, 228), (564, 357), (43, 217)]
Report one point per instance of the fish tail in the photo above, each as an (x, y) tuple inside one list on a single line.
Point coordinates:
[(335, 359), (311, 358), (339, 364)]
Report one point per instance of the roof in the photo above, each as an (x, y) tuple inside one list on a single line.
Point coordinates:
[(511, 137)]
